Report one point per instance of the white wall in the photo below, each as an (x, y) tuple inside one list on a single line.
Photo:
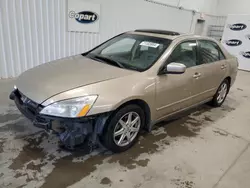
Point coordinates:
[(226, 7), (207, 6), (33, 32)]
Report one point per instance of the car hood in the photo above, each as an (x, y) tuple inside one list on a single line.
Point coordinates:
[(49, 79)]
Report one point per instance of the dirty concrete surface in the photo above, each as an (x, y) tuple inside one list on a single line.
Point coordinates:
[(204, 147)]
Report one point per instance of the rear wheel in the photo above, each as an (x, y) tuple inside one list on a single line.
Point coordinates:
[(221, 94), (123, 129)]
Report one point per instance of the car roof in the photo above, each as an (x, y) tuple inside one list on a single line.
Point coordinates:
[(157, 31), (171, 35)]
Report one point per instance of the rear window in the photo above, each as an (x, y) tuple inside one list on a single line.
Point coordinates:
[(210, 52)]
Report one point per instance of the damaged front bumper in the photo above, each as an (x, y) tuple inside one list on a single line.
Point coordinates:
[(71, 131)]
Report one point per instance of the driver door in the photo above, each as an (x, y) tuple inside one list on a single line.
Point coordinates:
[(174, 91)]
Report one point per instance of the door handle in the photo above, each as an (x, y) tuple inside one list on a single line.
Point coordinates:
[(223, 67), (197, 75)]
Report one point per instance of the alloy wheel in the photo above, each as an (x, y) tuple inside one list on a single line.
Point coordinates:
[(127, 129), (222, 93)]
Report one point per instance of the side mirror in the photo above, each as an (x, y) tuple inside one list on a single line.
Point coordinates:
[(174, 68)]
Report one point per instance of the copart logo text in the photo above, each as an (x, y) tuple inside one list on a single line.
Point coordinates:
[(84, 17), (246, 54), (237, 27), (233, 42)]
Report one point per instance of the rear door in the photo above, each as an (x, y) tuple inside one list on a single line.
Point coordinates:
[(212, 70)]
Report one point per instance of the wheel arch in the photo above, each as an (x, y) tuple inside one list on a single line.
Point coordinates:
[(229, 80), (142, 104)]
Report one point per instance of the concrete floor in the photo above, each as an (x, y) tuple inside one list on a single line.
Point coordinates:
[(204, 148)]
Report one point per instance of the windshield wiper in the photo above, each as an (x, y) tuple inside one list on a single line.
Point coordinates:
[(110, 61), (132, 68)]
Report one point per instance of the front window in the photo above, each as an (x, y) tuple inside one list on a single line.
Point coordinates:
[(130, 51), (185, 53)]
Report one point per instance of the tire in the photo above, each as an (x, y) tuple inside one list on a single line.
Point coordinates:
[(114, 143), (218, 101)]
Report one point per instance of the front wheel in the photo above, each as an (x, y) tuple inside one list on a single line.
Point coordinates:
[(221, 94), (123, 129)]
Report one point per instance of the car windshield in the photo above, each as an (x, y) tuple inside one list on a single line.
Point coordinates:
[(131, 51)]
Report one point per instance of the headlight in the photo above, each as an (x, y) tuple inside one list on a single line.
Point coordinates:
[(72, 108)]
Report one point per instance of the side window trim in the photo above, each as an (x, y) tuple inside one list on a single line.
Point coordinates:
[(198, 57)]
